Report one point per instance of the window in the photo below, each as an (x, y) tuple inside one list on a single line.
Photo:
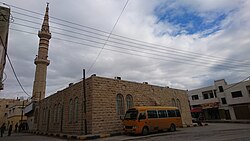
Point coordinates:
[(162, 114), (59, 112), (70, 110), (223, 100), (236, 94), (152, 114), (205, 96), (215, 94), (173, 102), (208, 94), (6, 106), (221, 89), (129, 101), (120, 105), (171, 113), (142, 115), (55, 115), (178, 114), (76, 109), (248, 89), (211, 95), (195, 97), (178, 102)]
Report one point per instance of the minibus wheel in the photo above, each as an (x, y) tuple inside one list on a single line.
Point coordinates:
[(172, 128), (145, 131)]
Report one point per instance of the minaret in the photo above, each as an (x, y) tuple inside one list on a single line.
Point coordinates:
[(41, 60)]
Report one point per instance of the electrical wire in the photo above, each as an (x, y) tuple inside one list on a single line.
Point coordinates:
[(156, 58), (12, 67), (92, 65), (205, 62), (202, 55), (152, 48), (158, 47)]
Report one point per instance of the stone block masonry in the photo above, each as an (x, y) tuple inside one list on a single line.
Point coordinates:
[(63, 111)]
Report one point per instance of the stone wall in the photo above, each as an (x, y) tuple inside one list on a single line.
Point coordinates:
[(101, 112), (54, 111), (106, 120)]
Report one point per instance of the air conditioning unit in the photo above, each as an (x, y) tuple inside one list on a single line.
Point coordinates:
[(118, 78)]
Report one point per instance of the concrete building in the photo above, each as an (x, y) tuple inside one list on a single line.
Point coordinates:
[(97, 109), (222, 100), (10, 110), (4, 29), (16, 115)]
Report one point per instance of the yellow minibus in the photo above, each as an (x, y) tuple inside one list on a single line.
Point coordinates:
[(146, 119)]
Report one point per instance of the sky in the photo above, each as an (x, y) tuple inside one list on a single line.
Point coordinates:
[(183, 44)]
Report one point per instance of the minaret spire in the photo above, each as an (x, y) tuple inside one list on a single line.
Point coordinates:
[(41, 61)]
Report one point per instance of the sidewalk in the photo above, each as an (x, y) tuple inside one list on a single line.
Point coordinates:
[(229, 121)]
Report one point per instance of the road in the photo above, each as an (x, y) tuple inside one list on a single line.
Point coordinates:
[(28, 137), (212, 132)]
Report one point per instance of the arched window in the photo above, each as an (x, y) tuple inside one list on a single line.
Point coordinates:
[(76, 109), (129, 101), (55, 114), (70, 110), (36, 115), (58, 113), (173, 102), (120, 104), (178, 103), (44, 114)]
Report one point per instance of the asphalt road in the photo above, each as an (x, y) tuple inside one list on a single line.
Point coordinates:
[(212, 132)]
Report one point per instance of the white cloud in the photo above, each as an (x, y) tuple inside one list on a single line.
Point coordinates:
[(138, 22)]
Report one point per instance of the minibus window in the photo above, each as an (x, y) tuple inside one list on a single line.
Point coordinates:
[(178, 114), (131, 115), (171, 113), (152, 114), (142, 116), (162, 114)]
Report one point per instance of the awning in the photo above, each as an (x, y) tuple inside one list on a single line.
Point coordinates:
[(196, 110)]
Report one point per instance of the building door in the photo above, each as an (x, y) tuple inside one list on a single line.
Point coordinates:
[(242, 112), (227, 114)]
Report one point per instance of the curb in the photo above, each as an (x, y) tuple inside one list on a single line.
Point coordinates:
[(229, 121), (75, 137)]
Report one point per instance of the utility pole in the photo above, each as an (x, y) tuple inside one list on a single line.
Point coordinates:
[(22, 112), (84, 118)]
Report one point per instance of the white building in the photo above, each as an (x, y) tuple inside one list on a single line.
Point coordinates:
[(222, 100)]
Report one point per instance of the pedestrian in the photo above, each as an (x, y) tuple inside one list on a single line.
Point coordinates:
[(10, 129), (20, 127), (16, 126), (2, 129)]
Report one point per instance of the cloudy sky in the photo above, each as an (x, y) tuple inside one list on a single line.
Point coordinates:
[(183, 44)]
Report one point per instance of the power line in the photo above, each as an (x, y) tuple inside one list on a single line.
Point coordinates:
[(189, 52), (205, 62), (156, 58), (92, 65), (236, 84), (12, 67), (152, 48)]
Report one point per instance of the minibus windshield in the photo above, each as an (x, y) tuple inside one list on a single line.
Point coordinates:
[(131, 115)]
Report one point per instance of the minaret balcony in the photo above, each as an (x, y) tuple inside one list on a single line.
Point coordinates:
[(44, 34), (41, 61)]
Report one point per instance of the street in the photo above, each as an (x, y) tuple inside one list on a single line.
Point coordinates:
[(214, 132)]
